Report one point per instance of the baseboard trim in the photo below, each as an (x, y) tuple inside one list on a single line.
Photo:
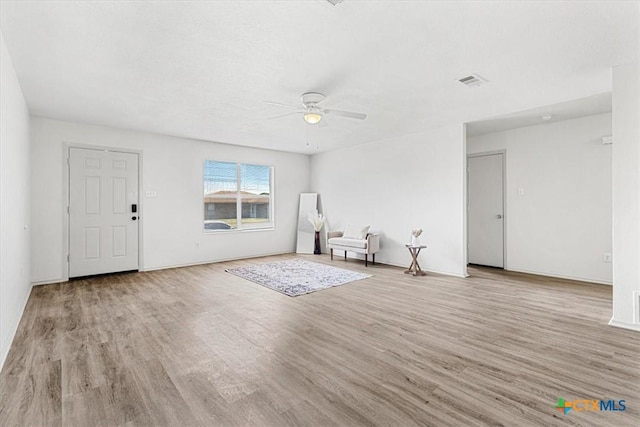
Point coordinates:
[(403, 265), (624, 325), (560, 276), (48, 282), (191, 264), (426, 270), (165, 267), (12, 330)]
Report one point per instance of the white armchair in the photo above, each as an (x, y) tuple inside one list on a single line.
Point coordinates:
[(370, 244)]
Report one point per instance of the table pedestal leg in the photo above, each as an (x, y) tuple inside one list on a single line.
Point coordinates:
[(414, 268)]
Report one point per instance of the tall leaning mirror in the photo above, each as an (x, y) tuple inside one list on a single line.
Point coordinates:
[(306, 233)]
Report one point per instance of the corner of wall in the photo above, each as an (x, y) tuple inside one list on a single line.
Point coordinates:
[(15, 208), (626, 195)]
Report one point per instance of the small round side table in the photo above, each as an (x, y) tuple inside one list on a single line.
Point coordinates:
[(414, 268)]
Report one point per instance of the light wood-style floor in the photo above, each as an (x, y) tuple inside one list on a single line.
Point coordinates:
[(198, 346)]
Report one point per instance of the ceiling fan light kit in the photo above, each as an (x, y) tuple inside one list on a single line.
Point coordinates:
[(312, 118), (312, 113)]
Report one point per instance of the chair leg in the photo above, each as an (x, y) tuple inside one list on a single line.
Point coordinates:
[(331, 250), (374, 259), (366, 259)]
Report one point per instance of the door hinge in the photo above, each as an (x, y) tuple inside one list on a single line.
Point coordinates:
[(67, 209), (67, 257)]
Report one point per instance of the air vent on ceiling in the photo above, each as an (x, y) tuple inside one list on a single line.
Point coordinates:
[(472, 80), (334, 2)]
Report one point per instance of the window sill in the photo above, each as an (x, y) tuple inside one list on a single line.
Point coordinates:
[(235, 230)]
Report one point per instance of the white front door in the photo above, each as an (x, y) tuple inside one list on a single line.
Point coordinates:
[(485, 210), (103, 212)]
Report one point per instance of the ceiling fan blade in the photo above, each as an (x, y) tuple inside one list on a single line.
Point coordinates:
[(284, 115), (351, 115), (279, 104)]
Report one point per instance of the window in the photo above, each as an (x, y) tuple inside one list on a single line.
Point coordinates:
[(237, 196)]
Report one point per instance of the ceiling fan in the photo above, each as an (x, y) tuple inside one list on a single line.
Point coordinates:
[(311, 112)]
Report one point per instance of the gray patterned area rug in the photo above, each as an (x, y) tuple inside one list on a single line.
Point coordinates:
[(297, 277)]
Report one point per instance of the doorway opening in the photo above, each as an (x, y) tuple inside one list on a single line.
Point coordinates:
[(485, 209)]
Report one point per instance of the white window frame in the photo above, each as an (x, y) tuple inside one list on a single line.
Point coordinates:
[(248, 226)]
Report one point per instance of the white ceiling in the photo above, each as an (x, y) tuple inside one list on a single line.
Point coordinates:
[(202, 69), (596, 104)]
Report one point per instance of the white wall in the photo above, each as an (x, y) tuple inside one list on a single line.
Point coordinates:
[(561, 225), (626, 196), (171, 222), (15, 282), (396, 185)]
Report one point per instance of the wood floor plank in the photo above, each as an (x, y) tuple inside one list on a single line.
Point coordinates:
[(41, 394), (198, 346), (123, 399), (85, 408)]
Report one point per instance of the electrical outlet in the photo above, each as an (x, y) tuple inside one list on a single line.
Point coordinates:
[(606, 257)]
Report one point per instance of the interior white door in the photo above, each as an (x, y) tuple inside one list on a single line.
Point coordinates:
[(485, 210), (103, 212)]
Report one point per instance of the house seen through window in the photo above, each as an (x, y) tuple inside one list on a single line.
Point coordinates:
[(237, 196)]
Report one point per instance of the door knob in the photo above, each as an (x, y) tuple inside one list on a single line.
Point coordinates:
[(134, 218), (499, 216)]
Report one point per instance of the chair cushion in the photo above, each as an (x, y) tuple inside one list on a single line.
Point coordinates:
[(355, 232), (345, 241)]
